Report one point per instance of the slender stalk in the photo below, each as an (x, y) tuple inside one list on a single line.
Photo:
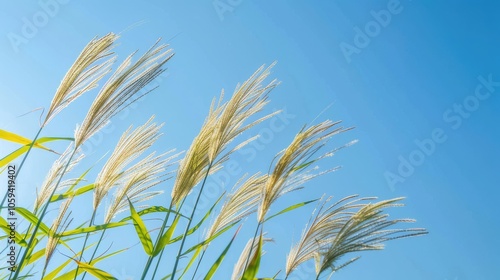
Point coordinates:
[(95, 250), (85, 242), (22, 163), (161, 253), (162, 229), (189, 223), (44, 210), (199, 262), (253, 242), (44, 271), (159, 259)]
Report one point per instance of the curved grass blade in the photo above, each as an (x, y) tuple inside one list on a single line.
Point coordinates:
[(219, 260), (71, 193), (16, 138), (154, 209), (98, 273), (165, 239), (32, 219), (205, 242), (53, 273), (91, 229), (15, 154), (142, 231), (253, 267), (40, 253), (4, 225), (71, 274), (290, 208), (191, 261)]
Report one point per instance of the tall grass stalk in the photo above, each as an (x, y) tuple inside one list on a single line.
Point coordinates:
[(42, 215), (21, 164), (157, 243), (179, 253)]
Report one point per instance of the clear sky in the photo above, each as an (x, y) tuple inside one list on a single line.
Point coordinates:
[(420, 81)]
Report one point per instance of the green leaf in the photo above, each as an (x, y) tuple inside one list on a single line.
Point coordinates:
[(205, 242), (99, 274), (154, 209), (290, 208), (32, 219), (16, 138), (253, 266), (141, 230), (56, 271), (15, 154), (4, 225), (302, 166), (70, 193), (191, 261), (219, 260), (91, 229), (71, 274), (35, 256), (165, 239)]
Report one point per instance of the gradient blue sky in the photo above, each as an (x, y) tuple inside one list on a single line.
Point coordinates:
[(401, 85)]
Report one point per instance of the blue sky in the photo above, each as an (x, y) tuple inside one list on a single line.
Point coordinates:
[(418, 80)]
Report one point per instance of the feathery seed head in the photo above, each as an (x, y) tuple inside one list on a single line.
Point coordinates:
[(58, 225), (84, 74), (224, 123), (289, 172), (54, 174), (121, 89), (239, 204), (139, 178), (130, 146)]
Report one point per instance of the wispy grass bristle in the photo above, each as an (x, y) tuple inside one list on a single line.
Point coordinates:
[(130, 146), (84, 74), (225, 121), (55, 172), (289, 173), (121, 89), (139, 178), (239, 204)]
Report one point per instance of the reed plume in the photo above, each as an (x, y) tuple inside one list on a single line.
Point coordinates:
[(289, 172), (239, 204), (130, 146), (249, 250), (225, 121), (142, 176), (365, 229), (321, 229), (84, 74), (121, 89), (56, 171), (59, 224)]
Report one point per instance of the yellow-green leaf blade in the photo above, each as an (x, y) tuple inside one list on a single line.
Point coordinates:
[(141, 230)]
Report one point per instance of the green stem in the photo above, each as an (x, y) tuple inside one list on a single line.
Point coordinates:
[(95, 250), (199, 262), (85, 242), (251, 246), (22, 163), (189, 223), (44, 210), (162, 229), (161, 253)]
